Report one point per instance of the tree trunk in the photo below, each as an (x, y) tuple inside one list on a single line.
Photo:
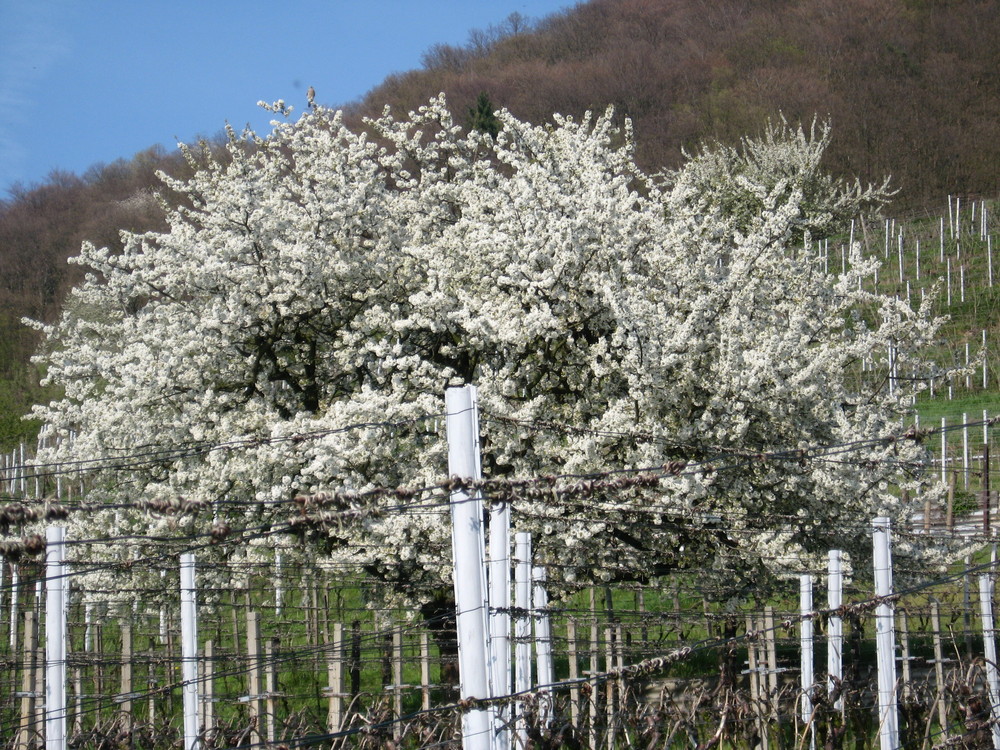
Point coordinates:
[(439, 617)]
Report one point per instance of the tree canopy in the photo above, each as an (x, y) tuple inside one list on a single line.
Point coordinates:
[(293, 331)]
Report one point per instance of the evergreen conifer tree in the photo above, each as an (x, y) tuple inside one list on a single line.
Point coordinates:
[(482, 117)]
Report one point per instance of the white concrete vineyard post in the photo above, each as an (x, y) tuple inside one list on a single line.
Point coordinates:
[(944, 450), (990, 652), (806, 653), (885, 637), (899, 254), (835, 626), (14, 592), (989, 258), (499, 619), (984, 359), (941, 233), (189, 652), (279, 591), (543, 645), (55, 638), (469, 570), (965, 450), (522, 624)]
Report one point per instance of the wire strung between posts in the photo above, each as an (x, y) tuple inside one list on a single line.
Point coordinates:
[(16, 513), (158, 456)]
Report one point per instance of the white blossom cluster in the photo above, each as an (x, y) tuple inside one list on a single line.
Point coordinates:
[(321, 278)]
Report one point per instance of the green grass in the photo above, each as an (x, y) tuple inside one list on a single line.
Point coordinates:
[(971, 404)]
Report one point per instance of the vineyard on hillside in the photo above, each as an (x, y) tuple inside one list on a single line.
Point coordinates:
[(949, 259)]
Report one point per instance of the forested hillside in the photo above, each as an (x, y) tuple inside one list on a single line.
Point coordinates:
[(911, 87), (40, 227)]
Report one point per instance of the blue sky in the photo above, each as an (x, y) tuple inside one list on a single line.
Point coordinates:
[(87, 82)]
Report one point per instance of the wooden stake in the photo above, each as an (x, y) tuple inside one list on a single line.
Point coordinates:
[(939, 686), (609, 661), (99, 668), (595, 645), (904, 641), (237, 638), (78, 700), (574, 675), (126, 675), (756, 686), (425, 672), (271, 688), (772, 661), (38, 722), (335, 678), (28, 730), (397, 683), (254, 694), (306, 589), (314, 611), (152, 685), (208, 690)]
